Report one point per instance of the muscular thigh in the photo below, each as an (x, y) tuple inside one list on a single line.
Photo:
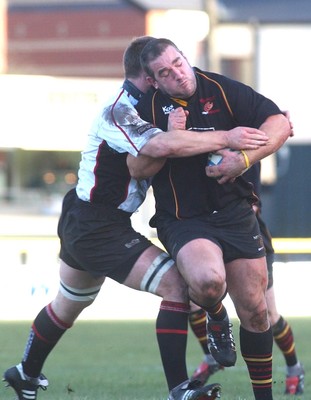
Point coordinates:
[(201, 260), (78, 279), (195, 249), (247, 281)]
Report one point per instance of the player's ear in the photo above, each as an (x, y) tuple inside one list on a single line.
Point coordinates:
[(152, 81)]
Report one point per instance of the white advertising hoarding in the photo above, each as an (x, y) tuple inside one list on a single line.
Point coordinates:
[(50, 113)]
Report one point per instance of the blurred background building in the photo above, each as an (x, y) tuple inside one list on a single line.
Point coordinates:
[(60, 60)]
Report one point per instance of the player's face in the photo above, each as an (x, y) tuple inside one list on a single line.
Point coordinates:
[(173, 75)]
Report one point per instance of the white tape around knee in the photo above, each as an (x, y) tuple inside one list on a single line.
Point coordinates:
[(74, 294)]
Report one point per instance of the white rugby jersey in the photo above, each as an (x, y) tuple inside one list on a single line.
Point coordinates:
[(103, 174)]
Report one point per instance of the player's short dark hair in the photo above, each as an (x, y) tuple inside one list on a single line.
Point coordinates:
[(153, 49), (131, 56)]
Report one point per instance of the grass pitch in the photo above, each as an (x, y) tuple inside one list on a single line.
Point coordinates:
[(113, 360)]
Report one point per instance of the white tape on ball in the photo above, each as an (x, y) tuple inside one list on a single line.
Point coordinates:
[(214, 159)]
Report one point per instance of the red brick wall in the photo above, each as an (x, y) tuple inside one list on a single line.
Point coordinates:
[(81, 41)]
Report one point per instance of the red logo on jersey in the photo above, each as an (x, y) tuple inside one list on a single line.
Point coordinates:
[(208, 105)]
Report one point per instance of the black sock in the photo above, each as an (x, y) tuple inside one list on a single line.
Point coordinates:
[(284, 338), (172, 331), (197, 320), (45, 332), (217, 312), (256, 349)]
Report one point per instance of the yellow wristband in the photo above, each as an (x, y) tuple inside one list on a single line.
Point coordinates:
[(246, 159)]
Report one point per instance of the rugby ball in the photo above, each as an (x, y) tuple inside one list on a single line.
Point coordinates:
[(214, 159)]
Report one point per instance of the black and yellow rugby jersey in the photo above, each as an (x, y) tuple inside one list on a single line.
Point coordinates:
[(182, 188)]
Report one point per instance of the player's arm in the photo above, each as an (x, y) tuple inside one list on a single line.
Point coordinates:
[(145, 166), (278, 130), (188, 143), (182, 143)]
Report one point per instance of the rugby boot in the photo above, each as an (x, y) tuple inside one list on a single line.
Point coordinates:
[(193, 390), (26, 388), (205, 370), (295, 384), (221, 342)]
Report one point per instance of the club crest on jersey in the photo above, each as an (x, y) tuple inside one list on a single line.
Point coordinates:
[(208, 105), (167, 109)]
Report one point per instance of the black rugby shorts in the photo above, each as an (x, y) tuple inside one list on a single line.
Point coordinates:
[(234, 229), (98, 239)]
